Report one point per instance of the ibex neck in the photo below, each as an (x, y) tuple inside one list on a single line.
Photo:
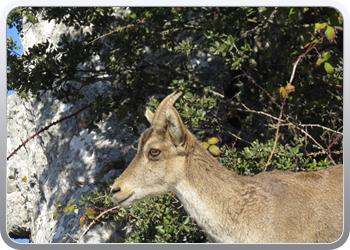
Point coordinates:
[(208, 192)]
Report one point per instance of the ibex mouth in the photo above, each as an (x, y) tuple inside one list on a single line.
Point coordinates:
[(121, 201)]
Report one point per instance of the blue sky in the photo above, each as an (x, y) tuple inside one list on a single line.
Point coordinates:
[(13, 33)]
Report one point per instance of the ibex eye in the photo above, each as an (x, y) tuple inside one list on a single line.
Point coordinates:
[(154, 152)]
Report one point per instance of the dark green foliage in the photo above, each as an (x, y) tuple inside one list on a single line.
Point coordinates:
[(236, 98), (146, 53), (251, 160)]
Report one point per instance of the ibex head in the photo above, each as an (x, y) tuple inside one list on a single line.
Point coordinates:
[(160, 160)]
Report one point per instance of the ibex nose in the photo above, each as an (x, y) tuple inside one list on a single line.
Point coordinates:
[(115, 190)]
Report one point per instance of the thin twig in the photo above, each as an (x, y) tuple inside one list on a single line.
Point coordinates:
[(334, 141), (237, 137), (326, 152), (267, 93), (258, 112), (94, 221), (288, 124), (304, 54), (295, 66), (302, 125), (331, 152), (70, 236), (307, 134), (319, 145), (46, 128), (117, 30), (234, 144), (276, 137), (312, 125), (216, 93), (291, 124)]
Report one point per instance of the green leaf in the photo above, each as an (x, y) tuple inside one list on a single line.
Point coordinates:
[(205, 145), (330, 34), (187, 220), (31, 18), (71, 209), (188, 229), (214, 150), (326, 55), (320, 26), (231, 39), (235, 64), (290, 87), (165, 224), (133, 15), (328, 68), (90, 211), (340, 20), (82, 218), (320, 61), (294, 53), (283, 92), (71, 202), (213, 140)]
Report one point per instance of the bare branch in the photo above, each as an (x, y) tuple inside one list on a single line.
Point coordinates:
[(237, 137), (319, 145), (267, 93), (276, 137), (46, 128), (313, 125), (94, 221), (258, 112), (117, 30), (288, 124)]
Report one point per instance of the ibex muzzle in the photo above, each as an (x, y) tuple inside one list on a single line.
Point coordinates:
[(276, 207)]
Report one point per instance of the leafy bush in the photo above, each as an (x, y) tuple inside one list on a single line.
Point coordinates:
[(251, 160), (238, 98)]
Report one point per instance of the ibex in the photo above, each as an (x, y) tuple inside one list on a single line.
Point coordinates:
[(275, 206)]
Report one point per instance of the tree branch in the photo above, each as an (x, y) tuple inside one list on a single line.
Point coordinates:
[(94, 221), (46, 128)]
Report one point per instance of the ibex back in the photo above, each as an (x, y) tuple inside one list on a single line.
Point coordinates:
[(274, 206)]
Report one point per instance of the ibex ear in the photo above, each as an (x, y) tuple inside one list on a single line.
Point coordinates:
[(149, 115), (176, 127)]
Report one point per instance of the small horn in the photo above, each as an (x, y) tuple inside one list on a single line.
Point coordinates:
[(159, 120)]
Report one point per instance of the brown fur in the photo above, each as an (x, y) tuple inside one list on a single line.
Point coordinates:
[(277, 206)]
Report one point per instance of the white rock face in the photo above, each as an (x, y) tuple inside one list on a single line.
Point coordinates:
[(61, 163), (58, 165)]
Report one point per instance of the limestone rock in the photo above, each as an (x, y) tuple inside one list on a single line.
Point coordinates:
[(61, 163), (58, 165)]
